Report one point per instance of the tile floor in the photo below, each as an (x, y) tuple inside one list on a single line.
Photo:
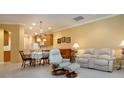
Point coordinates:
[(14, 70)]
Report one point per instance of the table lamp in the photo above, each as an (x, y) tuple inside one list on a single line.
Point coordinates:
[(38, 40), (44, 40), (75, 46), (74, 51)]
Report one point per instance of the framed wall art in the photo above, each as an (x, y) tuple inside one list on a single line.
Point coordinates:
[(59, 41), (63, 39), (68, 40)]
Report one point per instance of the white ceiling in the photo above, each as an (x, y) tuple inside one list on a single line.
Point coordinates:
[(56, 21)]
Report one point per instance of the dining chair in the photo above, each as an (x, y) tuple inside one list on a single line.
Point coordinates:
[(25, 58), (45, 57)]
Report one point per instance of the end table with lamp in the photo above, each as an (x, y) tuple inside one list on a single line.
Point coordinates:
[(121, 59), (74, 51)]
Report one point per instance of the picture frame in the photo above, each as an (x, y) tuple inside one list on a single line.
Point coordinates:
[(63, 39), (59, 41), (68, 40)]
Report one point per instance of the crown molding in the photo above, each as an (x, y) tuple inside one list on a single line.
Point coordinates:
[(12, 23), (91, 21)]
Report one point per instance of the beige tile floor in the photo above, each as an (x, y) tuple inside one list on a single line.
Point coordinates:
[(14, 70)]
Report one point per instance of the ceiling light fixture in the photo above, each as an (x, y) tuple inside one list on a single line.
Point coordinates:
[(41, 29), (44, 40), (49, 28), (40, 32), (30, 28), (38, 40), (41, 42), (36, 33), (34, 24)]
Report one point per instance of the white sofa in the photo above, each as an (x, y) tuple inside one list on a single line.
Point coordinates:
[(101, 59)]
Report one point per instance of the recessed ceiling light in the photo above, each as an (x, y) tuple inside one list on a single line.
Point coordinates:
[(26, 35), (49, 28), (34, 24), (36, 33), (30, 28)]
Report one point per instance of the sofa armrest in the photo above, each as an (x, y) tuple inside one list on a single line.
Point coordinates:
[(78, 56), (109, 59), (65, 60), (110, 68)]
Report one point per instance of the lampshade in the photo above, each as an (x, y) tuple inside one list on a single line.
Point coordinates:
[(76, 46), (38, 40), (44, 40), (122, 43)]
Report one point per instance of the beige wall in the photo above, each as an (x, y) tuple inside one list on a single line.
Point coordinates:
[(1, 45), (100, 34), (28, 40), (17, 38), (21, 37)]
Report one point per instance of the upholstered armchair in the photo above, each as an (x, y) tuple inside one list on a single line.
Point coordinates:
[(57, 62), (60, 65)]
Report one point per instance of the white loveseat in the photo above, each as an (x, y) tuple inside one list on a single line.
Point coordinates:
[(101, 59)]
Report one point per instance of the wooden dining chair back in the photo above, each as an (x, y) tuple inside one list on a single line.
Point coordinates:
[(22, 54), (25, 58)]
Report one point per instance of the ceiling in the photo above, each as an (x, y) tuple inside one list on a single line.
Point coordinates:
[(55, 21)]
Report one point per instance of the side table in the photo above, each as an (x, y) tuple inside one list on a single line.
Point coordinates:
[(119, 61), (73, 56)]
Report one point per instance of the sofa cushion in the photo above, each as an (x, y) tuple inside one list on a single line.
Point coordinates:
[(89, 51), (64, 64), (101, 62), (83, 60), (88, 56), (104, 56), (104, 51), (73, 67)]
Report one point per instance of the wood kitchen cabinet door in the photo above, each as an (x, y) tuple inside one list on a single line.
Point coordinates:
[(49, 40), (6, 38), (48, 37), (7, 56)]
